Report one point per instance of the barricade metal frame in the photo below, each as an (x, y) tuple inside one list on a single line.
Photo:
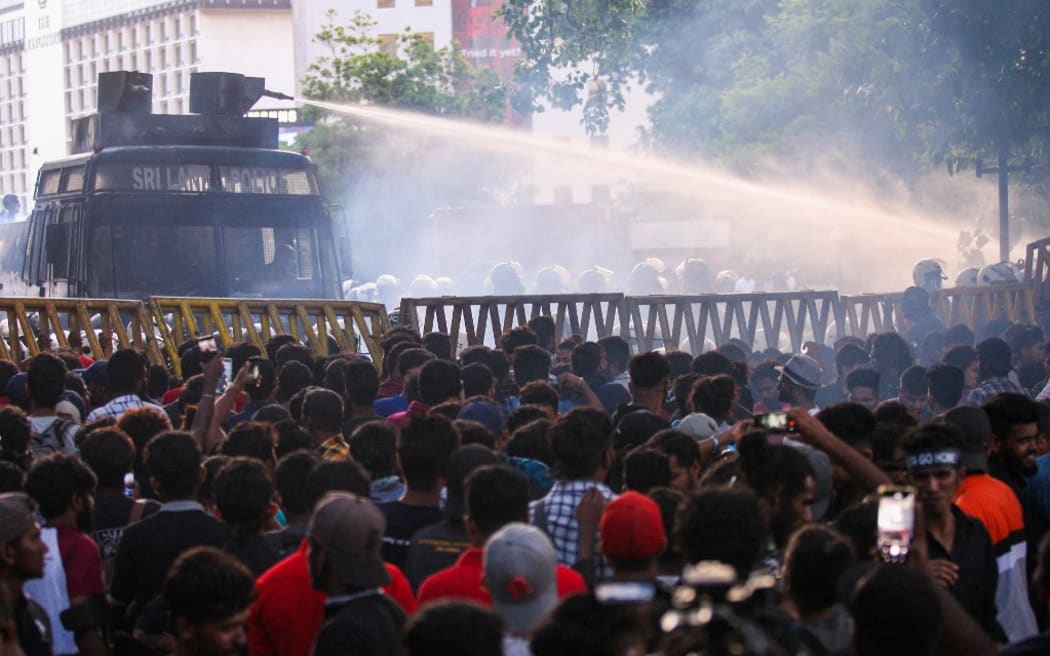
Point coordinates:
[(233, 320), (725, 316), (490, 317), (1037, 269), (65, 319)]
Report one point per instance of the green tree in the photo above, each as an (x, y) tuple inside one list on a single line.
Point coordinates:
[(391, 180), (906, 82)]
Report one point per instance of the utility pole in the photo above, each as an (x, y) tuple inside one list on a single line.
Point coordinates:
[(1003, 169)]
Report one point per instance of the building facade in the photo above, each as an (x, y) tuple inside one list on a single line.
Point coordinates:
[(51, 52)]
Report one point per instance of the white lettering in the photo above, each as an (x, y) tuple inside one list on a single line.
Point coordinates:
[(169, 178)]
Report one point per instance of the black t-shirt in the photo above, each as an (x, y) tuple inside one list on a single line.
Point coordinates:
[(149, 547), (353, 423), (112, 512), (1034, 646), (402, 521), (32, 626), (365, 626), (255, 552), (434, 548)]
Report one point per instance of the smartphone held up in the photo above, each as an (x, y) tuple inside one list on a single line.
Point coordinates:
[(896, 522)]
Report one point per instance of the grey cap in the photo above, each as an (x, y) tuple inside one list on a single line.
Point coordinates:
[(803, 371), (521, 575), (350, 530), (698, 426)]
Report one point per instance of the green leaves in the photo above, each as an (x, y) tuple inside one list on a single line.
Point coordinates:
[(401, 71)]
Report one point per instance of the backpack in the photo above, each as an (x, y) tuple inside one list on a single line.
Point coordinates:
[(51, 439)]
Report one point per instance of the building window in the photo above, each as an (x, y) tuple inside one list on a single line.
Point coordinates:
[(388, 43), (385, 4), (563, 195), (424, 3)]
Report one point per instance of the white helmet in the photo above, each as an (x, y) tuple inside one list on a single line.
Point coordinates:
[(422, 286), (552, 280), (446, 286), (694, 275), (725, 282), (967, 278), (928, 274), (1001, 273)]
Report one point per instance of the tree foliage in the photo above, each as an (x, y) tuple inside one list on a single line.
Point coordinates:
[(907, 82), (390, 180), (407, 73)]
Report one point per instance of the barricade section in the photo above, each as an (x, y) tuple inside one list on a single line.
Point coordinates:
[(1037, 270), (976, 306), (875, 313), (350, 325), (972, 306), (484, 319), (761, 320), (96, 327)]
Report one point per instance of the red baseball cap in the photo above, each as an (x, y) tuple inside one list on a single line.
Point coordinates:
[(632, 528)]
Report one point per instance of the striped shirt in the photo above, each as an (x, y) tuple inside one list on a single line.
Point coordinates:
[(119, 406)]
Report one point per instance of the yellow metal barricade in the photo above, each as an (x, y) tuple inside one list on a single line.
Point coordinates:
[(93, 326), (484, 319), (352, 325), (686, 322)]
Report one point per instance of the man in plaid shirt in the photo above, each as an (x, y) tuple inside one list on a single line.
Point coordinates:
[(994, 372), (582, 443)]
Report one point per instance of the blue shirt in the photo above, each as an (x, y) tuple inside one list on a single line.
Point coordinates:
[(390, 405)]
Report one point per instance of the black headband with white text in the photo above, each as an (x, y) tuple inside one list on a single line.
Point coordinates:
[(938, 458)]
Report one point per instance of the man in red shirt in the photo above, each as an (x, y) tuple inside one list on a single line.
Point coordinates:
[(287, 614), (64, 488), (496, 495)]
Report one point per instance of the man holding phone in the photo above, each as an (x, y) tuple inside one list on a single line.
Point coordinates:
[(961, 558)]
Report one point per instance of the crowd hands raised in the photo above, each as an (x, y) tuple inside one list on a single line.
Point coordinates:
[(539, 497)]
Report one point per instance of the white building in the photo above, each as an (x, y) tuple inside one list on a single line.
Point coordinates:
[(432, 18), (471, 23), (51, 52)]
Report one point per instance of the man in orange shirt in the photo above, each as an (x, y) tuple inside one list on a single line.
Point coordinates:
[(996, 506)]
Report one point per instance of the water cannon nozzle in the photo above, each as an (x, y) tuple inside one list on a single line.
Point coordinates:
[(277, 95)]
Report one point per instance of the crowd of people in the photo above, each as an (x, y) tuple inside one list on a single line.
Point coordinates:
[(537, 497)]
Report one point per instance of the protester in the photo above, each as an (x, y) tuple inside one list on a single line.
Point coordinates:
[(207, 594), (22, 554), (496, 495), (960, 552), (64, 489)]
